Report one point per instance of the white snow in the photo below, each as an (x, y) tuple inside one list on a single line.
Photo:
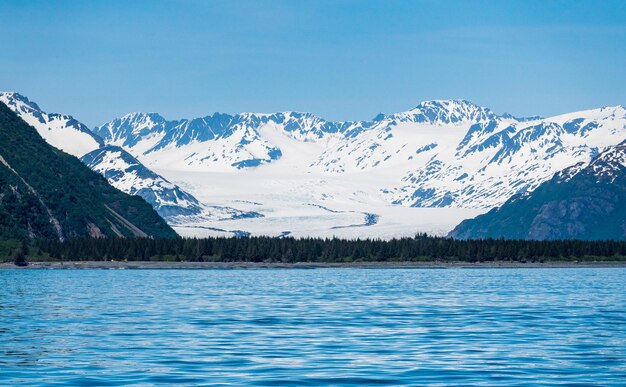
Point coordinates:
[(423, 170), (61, 131), (386, 163)]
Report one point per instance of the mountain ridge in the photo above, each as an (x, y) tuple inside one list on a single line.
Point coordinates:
[(175, 205), (54, 127), (584, 201), (46, 193), (440, 154), (70, 136)]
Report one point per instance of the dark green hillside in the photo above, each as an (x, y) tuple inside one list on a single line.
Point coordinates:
[(45, 193), (581, 202)]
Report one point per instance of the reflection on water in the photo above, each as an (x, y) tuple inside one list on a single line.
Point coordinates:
[(313, 327)]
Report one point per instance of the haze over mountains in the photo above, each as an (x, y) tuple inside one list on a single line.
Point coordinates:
[(423, 170)]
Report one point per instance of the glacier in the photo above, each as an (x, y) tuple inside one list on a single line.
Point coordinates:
[(293, 173)]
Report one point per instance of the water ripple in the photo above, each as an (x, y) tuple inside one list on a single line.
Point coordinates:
[(504, 327)]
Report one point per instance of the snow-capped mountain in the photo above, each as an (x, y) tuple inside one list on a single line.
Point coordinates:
[(310, 176), (59, 130), (122, 170), (446, 153), (48, 194), (478, 160), (233, 140), (294, 173), (608, 166), (126, 173), (584, 201)]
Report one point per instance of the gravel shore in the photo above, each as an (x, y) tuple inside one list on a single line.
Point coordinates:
[(308, 265)]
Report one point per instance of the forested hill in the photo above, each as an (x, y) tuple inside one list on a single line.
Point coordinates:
[(45, 193), (585, 201)]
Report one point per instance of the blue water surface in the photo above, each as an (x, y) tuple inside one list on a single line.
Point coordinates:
[(505, 327)]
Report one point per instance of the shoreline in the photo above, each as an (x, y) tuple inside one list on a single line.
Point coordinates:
[(152, 265)]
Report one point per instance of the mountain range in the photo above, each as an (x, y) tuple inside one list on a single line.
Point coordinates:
[(46, 193), (294, 173)]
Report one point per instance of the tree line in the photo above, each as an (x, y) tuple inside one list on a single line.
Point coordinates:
[(268, 249)]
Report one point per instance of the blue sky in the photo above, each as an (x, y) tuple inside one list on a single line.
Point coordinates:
[(338, 59)]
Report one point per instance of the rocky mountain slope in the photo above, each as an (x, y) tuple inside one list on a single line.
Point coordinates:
[(126, 173), (62, 131), (46, 193), (121, 170), (449, 154), (442, 153), (291, 173), (585, 201)]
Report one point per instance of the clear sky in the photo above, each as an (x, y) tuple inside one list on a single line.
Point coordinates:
[(338, 59)]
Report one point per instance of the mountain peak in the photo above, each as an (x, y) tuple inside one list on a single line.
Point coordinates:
[(59, 130), (142, 116), (12, 97), (445, 102), (446, 111), (379, 117), (54, 195), (509, 116), (619, 111), (584, 201), (610, 163)]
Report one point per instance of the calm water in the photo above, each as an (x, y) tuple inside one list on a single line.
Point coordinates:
[(509, 327)]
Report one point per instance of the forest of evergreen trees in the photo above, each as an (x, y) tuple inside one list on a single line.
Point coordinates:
[(267, 249)]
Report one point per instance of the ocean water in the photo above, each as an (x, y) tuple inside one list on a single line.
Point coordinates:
[(504, 327)]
